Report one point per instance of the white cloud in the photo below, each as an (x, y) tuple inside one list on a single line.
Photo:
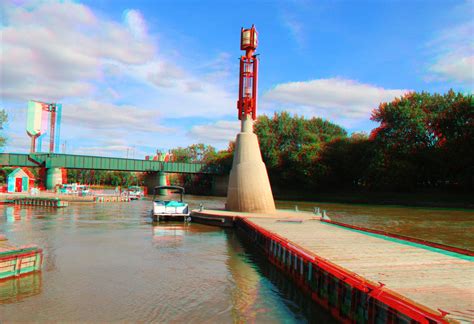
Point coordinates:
[(136, 23), (294, 27), (455, 67), (335, 99), (58, 57), (219, 133), (18, 143), (184, 93), (112, 151), (453, 52), (96, 116)]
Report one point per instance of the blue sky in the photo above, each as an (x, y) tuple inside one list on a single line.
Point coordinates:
[(138, 76)]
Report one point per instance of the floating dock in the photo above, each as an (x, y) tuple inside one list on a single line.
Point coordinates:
[(40, 201), (360, 276), (101, 199), (17, 261)]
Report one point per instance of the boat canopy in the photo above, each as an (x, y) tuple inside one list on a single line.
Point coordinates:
[(178, 188), (181, 189)]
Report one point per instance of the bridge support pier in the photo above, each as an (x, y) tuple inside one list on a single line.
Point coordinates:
[(54, 176), (154, 179)]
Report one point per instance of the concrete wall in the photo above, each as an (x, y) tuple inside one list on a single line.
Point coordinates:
[(54, 177), (155, 179)]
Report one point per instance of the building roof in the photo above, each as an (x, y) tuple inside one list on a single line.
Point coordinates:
[(28, 173), (22, 172)]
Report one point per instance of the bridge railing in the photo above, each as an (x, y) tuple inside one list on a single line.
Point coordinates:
[(70, 161)]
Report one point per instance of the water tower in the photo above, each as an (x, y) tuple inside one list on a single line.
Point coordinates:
[(37, 123)]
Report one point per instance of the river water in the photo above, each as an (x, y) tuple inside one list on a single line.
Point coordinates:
[(108, 262)]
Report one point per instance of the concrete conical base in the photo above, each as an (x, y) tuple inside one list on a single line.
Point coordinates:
[(249, 188)]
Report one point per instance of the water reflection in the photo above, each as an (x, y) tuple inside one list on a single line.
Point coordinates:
[(16, 289), (255, 276), (15, 213), (170, 235), (245, 283)]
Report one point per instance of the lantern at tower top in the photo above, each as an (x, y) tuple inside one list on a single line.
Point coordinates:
[(248, 40), (248, 76)]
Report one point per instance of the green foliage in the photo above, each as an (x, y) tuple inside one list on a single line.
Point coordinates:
[(3, 120), (222, 160), (101, 177), (291, 147), (4, 172), (347, 161), (424, 140), (195, 183), (193, 153)]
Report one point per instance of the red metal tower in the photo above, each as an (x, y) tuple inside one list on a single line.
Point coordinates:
[(51, 108), (247, 103)]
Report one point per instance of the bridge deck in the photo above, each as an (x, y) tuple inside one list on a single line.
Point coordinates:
[(430, 277), (70, 161)]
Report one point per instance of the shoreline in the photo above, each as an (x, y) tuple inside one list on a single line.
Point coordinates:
[(420, 199)]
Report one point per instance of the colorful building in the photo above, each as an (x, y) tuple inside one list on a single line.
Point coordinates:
[(20, 180)]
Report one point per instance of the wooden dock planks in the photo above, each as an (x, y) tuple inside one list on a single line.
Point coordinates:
[(437, 280)]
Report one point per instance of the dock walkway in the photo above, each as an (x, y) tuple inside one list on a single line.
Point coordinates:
[(430, 278)]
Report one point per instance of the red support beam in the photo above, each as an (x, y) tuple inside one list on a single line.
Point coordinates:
[(52, 129)]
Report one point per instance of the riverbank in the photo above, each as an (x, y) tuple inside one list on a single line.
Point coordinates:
[(411, 199)]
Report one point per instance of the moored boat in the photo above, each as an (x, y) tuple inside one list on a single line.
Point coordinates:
[(170, 210), (135, 192)]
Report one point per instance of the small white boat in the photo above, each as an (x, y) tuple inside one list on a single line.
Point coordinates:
[(135, 192), (170, 210)]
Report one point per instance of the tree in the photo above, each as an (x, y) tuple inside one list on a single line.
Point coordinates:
[(454, 126), (3, 120), (193, 153), (347, 161), (195, 183), (423, 140), (222, 160), (291, 147)]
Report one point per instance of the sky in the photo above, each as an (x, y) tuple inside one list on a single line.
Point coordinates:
[(135, 77)]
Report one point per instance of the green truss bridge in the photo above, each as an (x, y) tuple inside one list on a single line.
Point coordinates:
[(53, 163)]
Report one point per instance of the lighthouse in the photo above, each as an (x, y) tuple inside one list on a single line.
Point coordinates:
[(249, 187)]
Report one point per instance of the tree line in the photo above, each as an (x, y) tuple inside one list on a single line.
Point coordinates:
[(423, 141)]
